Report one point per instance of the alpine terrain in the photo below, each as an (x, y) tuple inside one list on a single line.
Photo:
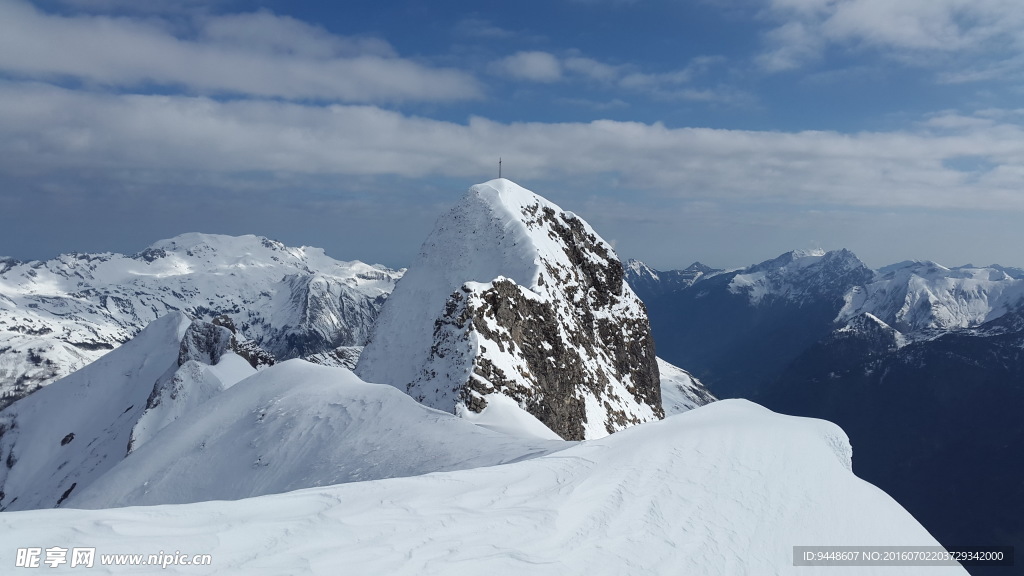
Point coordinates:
[(513, 336), (58, 315)]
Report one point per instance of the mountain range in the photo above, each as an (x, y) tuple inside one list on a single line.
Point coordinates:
[(921, 364), (58, 315), (163, 418), (507, 413)]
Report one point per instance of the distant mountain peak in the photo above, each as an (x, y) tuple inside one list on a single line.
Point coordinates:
[(700, 267), (868, 325), (801, 274), (650, 283), (921, 298)]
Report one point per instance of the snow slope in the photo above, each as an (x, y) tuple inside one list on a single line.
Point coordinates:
[(59, 440), (725, 489), (512, 296), (680, 390), (57, 316), (297, 425), (68, 434)]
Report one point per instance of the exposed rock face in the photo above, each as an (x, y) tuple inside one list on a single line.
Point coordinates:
[(342, 356), (522, 299), (205, 342)]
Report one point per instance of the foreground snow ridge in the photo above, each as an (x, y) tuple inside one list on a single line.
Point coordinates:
[(728, 488)]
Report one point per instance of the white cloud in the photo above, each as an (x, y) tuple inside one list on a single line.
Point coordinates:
[(671, 85), (641, 81), (264, 32), (534, 66), (593, 69), (906, 29), (46, 130), (793, 45), (257, 54)]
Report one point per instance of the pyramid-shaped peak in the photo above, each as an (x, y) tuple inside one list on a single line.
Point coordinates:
[(512, 295)]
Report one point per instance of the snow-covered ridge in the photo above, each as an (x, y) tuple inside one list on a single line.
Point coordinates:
[(297, 425), (926, 298), (65, 436), (175, 416), (512, 295), (917, 298), (58, 315), (725, 489), (869, 325)]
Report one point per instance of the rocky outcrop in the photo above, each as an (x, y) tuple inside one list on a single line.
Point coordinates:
[(524, 300), (205, 342), (342, 356), (199, 376)]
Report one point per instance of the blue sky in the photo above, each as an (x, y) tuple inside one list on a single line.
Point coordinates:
[(726, 131)]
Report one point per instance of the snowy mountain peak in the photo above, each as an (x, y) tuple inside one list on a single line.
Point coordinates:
[(800, 274), (1012, 272), (539, 232), (512, 295), (700, 267), (68, 434)]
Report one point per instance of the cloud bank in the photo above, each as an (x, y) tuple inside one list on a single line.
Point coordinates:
[(972, 36), (49, 129), (256, 54)]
